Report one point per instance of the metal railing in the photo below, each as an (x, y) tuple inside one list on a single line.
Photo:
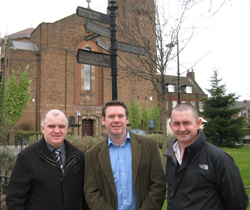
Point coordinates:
[(3, 186), (18, 145)]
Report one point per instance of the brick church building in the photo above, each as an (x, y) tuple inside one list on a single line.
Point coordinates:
[(59, 82)]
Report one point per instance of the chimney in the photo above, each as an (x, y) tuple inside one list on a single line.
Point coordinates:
[(245, 101), (191, 74)]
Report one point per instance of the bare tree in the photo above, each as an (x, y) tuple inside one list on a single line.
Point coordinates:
[(153, 25)]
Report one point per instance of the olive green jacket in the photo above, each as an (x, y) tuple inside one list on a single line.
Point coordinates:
[(148, 176)]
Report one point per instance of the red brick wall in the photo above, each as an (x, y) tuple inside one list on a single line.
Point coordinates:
[(59, 77)]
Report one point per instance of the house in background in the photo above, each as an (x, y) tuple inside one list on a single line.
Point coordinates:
[(245, 111), (190, 91)]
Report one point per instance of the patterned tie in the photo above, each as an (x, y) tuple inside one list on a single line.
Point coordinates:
[(57, 153)]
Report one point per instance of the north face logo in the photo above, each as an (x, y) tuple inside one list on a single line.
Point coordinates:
[(204, 166)]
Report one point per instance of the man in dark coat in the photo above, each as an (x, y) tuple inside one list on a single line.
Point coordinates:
[(44, 180), (199, 174), (125, 171)]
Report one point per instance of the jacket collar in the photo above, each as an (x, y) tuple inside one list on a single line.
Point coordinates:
[(192, 148), (104, 159), (70, 150)]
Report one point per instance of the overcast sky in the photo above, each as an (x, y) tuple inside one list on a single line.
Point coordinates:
[(226, 40)]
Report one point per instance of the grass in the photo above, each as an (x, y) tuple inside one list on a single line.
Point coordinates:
[(241, 157)]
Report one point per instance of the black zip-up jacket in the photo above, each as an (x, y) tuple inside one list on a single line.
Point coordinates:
[(207, 179), (38, 183)]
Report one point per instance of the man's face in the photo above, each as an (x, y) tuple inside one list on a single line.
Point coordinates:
[(115, 121), (55, 130), (184, 126)]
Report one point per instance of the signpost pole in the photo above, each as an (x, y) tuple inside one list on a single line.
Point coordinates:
[(113, 39), (100, 59)]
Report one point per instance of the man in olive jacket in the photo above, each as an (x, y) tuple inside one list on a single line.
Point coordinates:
[(125, 170)]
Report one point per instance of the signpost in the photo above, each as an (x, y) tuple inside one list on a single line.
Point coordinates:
[(131, 48), (103, 45), (100, 59), (91, 26), (93, 15), (93, 58), (92, 36)]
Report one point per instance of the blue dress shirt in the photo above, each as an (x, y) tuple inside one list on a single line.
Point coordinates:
[(121, 163)]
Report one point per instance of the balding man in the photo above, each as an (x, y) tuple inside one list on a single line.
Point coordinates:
[(199, 174), (48, 174)]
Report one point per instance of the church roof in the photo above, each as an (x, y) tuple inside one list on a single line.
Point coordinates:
[(23, 33)]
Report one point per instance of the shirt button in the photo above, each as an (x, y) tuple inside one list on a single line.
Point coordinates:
[(122, 173), (121, 160), (123, 187)]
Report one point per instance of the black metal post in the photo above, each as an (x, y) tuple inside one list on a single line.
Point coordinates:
[(37, 62), (178, 72), (113, 28), (78, 123)]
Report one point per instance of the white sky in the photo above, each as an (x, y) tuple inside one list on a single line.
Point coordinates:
[(227, 39)]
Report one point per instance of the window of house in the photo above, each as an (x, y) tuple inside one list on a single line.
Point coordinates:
[(193, 103), (87, 75), (239, 114), (174, 104), (71, 121), (170, 88), (244, 113), (183, 102), (201, 105), (189, 89), (167, 105)]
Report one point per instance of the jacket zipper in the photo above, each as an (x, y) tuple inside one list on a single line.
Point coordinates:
[(54, 163)]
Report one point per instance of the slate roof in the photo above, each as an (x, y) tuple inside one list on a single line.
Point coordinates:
[(184, 81), (241, 104), (21, 45)]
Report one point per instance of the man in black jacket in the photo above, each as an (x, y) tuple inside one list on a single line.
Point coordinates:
[(199, 174), (42, 179)]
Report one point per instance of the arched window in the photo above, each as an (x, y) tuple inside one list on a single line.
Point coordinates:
[(71, 121), (87, 76)]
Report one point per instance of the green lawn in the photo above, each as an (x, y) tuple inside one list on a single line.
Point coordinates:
[(242, 159)]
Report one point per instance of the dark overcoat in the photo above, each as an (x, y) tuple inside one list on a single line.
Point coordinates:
[(38, 183)]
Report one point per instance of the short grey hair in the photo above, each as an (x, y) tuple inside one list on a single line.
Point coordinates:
[(185, 107), (54, 112)]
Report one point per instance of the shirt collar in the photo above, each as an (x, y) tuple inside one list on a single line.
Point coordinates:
[(51, 149), (110, 142), (177, 152)]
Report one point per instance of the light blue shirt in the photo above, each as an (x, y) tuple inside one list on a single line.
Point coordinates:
[(121, 163)]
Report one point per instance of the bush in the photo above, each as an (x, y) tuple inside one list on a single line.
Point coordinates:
[(84, 143), (7, 159), (159, 138), (26, 134)]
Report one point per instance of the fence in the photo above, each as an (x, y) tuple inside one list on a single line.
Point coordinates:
[(18, 145), (3, 187)]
